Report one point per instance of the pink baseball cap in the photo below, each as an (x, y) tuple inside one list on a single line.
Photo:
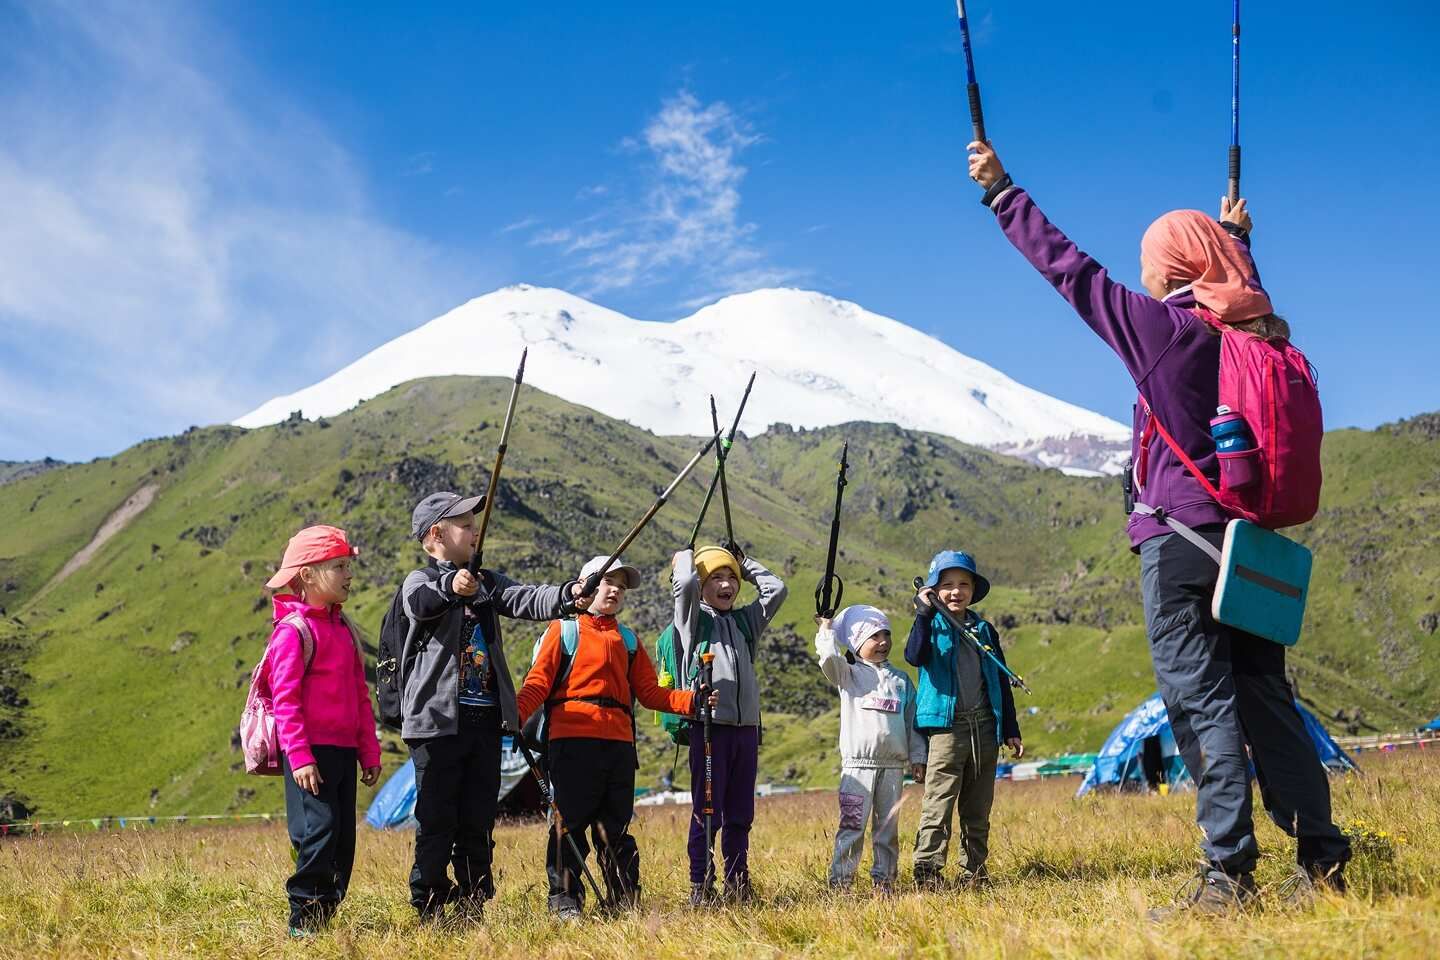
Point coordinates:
[(312, 545)]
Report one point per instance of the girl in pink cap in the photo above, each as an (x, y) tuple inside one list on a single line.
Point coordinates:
[(322, 718)]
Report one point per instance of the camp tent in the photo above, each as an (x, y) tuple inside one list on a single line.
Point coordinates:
[(394, 806), (1122, 760), (1432, 725)]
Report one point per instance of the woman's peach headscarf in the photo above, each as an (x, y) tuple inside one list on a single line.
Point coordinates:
[(1188, 245)]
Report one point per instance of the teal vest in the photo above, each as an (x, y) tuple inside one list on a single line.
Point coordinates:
[(936, 694)]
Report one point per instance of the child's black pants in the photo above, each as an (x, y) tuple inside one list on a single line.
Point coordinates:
[(457, 788), (594, 783), (322, 830)]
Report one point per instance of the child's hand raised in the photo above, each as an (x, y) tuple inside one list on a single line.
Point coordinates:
[(465, 583), (370, 776), (925, 601)]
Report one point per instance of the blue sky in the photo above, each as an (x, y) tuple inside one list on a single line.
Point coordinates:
[(210, 204)]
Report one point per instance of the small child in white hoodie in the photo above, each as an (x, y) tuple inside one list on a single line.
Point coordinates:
[(878, 740)]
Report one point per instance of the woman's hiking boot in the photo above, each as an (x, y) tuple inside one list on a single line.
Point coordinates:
[(1210, 892), (1308, 882)]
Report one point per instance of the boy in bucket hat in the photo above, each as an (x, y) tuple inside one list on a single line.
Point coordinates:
[(456, 699), (706, 584), (966, 709), (587, 676)]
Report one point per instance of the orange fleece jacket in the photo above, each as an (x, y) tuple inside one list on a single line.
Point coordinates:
[(598, 669)]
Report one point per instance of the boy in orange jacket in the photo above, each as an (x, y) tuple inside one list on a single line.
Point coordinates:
[(587, 676)]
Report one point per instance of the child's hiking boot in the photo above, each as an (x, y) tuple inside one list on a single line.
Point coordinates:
[(1310, 882), (564, 908), (978, 880), (928, 878), (882, 888), (701, 895), (739, 891), (468, 910), (1210, 892)]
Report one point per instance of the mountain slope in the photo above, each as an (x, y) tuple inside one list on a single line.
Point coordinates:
[(140, 655), (821, 361)]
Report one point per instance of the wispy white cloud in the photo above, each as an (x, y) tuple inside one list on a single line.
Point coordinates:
[(524, 223), (684, 227), (172, 252)]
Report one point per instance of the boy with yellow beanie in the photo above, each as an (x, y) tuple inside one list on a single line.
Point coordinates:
[(706, 583)]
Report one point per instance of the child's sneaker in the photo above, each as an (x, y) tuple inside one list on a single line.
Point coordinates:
[(564, 908)]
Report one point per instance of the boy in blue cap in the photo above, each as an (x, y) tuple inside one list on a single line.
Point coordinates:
[(966, 709)]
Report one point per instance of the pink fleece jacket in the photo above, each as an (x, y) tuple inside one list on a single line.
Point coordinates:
[(327, 705)]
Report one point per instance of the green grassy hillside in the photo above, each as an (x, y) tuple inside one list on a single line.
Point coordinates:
[(121, 682)]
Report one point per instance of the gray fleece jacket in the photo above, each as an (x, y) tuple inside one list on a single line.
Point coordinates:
[(430, 663), (732, 670), (877, 709)]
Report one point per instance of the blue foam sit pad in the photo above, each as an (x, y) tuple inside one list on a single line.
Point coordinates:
[(1264, 583)]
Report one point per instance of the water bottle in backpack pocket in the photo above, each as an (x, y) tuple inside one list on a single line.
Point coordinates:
[(1235, 449)]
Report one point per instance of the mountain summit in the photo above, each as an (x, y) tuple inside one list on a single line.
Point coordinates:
[(821, 362)]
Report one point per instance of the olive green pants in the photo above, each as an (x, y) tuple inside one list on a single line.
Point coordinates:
[(960, 771)]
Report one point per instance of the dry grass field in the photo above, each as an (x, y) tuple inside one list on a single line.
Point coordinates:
[(1072, 879)]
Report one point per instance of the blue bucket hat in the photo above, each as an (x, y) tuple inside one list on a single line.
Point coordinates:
[(957, 560)]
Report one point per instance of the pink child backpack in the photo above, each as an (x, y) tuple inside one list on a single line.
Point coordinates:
[(259, 739), (1272, 385)]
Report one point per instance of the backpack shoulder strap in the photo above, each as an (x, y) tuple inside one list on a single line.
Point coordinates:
[(307, 639), (569, 637), (631, 643)]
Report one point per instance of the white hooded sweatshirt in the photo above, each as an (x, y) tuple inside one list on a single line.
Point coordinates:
[(877, 701)]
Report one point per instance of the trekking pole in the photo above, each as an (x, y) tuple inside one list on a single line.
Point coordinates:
[(825, 606), (981, 645), (715, 480), (592, 583), (977, 116), (560, 828), (1235, 106), (493, 491), (721, 452), (706, 660)]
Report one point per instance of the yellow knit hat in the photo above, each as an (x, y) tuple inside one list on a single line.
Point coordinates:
[(710, 559)]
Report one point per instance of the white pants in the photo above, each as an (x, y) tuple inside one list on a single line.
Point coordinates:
[(870, 794)]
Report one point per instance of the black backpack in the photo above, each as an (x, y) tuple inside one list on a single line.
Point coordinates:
[(394, 632)]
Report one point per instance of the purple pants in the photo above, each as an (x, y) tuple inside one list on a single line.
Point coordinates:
[(735, 757)]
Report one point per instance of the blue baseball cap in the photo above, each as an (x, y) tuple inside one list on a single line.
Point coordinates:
[(957, 560)]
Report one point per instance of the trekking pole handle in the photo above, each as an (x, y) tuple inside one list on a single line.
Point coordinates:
[(1015, 679)]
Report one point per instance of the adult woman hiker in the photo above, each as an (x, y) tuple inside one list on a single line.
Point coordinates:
[(1224, 690)]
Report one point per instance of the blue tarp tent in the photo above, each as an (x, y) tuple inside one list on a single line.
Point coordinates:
[(394, 806), (1119, 761), (1432, 725)]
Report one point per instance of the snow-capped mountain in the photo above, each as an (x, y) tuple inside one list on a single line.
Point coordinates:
[(821, 362)]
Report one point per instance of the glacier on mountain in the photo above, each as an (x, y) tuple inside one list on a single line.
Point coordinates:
[(821, 361)]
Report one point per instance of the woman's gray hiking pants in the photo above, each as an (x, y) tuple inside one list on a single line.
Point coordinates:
[(1225, 690)]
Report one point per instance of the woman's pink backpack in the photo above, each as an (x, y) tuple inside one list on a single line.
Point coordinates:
[(1272, 385), (259, 740)]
